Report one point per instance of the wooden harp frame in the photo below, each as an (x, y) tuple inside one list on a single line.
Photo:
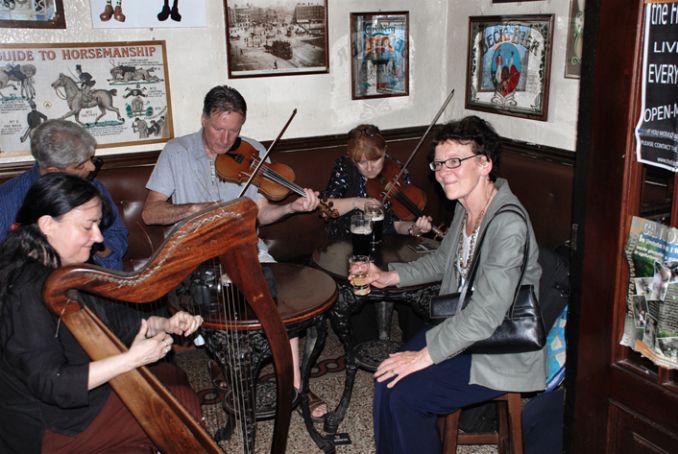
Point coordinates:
[(227, 231)]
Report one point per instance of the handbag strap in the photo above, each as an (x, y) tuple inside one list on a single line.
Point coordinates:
[(468, 283)]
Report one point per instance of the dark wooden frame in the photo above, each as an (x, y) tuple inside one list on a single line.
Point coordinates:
[(275, 71), (358, 60), (58, 21), (497, 102)]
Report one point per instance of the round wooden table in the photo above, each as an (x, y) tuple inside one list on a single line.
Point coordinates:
[(234, 336)]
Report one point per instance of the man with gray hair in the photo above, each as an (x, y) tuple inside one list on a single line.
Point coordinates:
[(63, 146)]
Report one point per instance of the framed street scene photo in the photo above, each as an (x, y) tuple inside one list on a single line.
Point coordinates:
[(32, 14), (118, 91), (509, 65), (276, 37), (380, 55)]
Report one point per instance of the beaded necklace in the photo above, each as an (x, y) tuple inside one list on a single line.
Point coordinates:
[(464, 261)]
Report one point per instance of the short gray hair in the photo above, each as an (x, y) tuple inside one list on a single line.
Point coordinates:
[(61, 143)]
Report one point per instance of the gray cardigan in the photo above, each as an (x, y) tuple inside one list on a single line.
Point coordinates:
[(496, 279)]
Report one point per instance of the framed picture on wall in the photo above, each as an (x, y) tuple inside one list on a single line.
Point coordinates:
[(276, 37), (118, 91), (575, 35), (32, 14), (380, 55), (509, 65)]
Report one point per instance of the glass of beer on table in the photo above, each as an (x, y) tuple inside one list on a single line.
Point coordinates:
[(374, 211), (361, 233), (358, 267)]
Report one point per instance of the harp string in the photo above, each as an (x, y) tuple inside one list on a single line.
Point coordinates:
[(241, 379)]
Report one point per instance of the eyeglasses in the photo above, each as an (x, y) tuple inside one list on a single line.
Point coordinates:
[(451, 163), (366, 130)]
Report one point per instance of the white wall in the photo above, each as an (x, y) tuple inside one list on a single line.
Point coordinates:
[(438, 35)]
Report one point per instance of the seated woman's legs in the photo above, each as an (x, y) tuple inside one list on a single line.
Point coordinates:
[(318, 407), (115, 430), (405, 416)]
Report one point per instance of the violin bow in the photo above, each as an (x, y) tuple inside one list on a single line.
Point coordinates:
[(403, 169), (263, 158)]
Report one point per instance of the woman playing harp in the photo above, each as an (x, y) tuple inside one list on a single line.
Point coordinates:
[(52, 397)]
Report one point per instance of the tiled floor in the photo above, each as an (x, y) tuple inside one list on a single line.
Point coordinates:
[(357, 423)]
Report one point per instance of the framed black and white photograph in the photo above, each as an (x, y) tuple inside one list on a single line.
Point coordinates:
[(509, 65), (276, 37), (380, 54), (32, 14)]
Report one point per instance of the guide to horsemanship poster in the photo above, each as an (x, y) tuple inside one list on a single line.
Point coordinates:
[(657, 131), (119, 92), (651, 324)]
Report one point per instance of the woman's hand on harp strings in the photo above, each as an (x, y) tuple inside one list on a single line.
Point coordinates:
[(149, 345), (154, 339), (183, 323)]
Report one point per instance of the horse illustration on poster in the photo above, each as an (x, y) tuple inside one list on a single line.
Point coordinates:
[(78, 100)]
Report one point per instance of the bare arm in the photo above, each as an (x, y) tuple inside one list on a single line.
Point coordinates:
[(380, 278), (343, 206), (269, 213), (151, 343), (420, 226), (159, 210), (143, 351)]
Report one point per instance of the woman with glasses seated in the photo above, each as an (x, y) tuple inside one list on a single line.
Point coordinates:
[(432, 375), (347, 190)]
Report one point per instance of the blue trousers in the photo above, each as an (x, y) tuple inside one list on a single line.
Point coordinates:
[(405, 416)]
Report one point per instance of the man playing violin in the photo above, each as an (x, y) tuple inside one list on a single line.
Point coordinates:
[(348, 192), (184, 181)]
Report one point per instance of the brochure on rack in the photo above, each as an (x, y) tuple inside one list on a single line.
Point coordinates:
[(651, 325)]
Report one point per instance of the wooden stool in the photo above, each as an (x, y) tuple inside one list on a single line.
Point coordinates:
[(509, 438)]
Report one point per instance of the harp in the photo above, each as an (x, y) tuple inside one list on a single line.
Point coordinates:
[(226, 232)]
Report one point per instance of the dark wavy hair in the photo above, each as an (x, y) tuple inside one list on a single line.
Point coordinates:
[(53, 194), (476, 132)]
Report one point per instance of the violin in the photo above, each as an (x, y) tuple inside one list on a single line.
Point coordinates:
[(395, 188), (407, 200), (274, 180)]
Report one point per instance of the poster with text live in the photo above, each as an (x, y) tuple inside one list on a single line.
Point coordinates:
[(657, 128)]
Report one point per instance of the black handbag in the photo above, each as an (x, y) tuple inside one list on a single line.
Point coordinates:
[(523, 327)]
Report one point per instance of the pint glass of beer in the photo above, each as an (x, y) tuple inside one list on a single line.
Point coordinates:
[(374, 211), (361, 233), (358, 267)]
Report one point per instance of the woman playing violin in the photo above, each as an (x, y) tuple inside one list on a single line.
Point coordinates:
[(347, 190), (348, 186)]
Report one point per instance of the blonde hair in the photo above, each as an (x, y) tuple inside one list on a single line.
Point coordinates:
[(365, 141)]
